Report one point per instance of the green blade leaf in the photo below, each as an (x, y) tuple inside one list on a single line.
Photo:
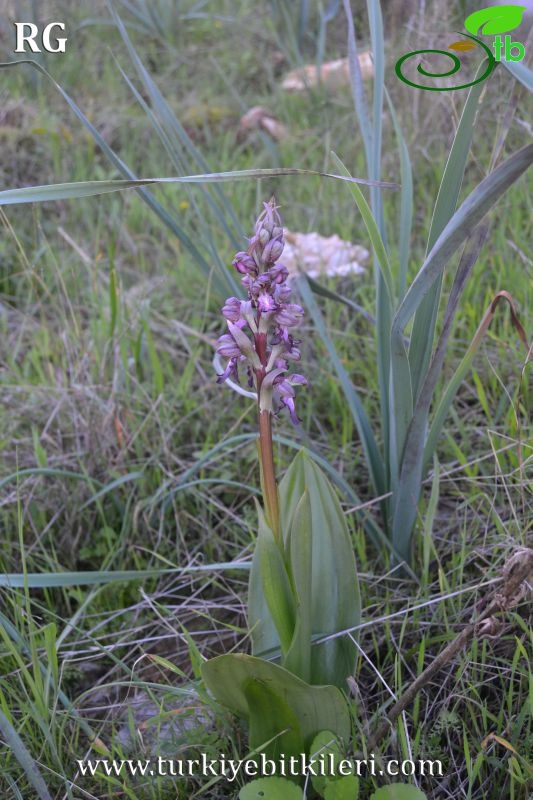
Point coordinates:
[(24, 758), (519, 71), (478, 203), (412, 472), (173, 135), (470, 213), (49, 580), (79, 189)]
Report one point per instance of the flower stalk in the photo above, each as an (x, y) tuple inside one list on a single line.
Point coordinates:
[(259, 340)]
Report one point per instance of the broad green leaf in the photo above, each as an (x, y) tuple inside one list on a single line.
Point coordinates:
[(335, 602), (497, 19), (274, 788), (300, 553), (398, 791), (276, 584), (273, 725), (263, 633), (344, 788), (228, 678)]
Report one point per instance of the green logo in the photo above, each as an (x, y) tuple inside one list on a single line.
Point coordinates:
[(491, 21)]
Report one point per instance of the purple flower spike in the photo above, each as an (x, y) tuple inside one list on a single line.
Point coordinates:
[(259, 327)]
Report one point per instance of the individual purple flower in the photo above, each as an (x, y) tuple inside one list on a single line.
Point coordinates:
[(285, 392), (266, 303), (227, 347), (288, 314), (232, 309), (259, 327)]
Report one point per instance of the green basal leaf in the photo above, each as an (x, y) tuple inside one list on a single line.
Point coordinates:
[(345, 788), (271, 699), (274, 788), (334, 594), (325, 748), (273, 724), (398, 791)]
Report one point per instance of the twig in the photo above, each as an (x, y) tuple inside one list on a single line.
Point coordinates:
[(515, 585)]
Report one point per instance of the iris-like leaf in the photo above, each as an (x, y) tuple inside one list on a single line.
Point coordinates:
[(470, 213)]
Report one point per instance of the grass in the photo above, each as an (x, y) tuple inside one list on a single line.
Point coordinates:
[(105, 368)]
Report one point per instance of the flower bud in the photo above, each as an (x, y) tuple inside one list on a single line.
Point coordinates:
[(245, 264), (232, 309), (273, 250)]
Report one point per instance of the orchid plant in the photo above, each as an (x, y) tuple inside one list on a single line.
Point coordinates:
[(267, 317), (303, 590)]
